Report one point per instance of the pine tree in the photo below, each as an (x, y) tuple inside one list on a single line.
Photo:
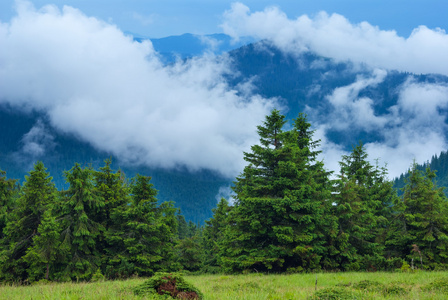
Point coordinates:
[(281, 197), (38, 194)]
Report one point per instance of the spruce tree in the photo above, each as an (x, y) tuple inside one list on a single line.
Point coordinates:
[(45, 254), (363, 198), (114, 191), (77, 210), (146, 238), (37, 195), (7, 191), (213, 236), (422, 234), (281, 198)]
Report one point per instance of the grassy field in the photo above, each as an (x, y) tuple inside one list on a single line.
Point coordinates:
[(420, 285)]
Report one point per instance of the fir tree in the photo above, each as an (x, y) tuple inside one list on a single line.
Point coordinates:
[(145, 243), (281, 198), (7, 190), (77, 210), (422, 233), (363, 200), (213, 236), (37, 195)]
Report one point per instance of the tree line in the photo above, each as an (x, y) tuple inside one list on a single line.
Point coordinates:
[(289, 214)]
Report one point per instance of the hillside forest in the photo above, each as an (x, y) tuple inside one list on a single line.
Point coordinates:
[(288, 215)]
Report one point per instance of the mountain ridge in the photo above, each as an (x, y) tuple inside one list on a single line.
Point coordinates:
[(302, 83)]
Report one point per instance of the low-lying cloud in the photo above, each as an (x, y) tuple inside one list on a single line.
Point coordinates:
[(94, 81), (413, 128), (333, 36)]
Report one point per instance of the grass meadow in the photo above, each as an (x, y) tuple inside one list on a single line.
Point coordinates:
[(378, 285)]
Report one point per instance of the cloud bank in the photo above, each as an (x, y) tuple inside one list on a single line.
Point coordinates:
[(333, 36), (97, 83), (413, 128)]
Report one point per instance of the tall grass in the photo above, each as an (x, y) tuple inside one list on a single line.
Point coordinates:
[(252, 286)]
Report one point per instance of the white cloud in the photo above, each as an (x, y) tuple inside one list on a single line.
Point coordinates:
[(99, 84), (35, 145), (333, 36), (351, 111), (414, 128)]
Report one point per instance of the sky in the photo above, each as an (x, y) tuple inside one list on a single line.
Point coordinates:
[(157, 19), (75, 61)]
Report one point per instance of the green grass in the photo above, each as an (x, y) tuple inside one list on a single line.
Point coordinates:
[(379, 285)]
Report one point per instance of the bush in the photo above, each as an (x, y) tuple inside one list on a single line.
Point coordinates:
[(334, 293), (97, 276), (368, 285), (168, 285), (440, 285)]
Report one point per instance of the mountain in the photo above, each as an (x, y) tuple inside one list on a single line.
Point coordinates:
[(438, 163), (300, 82), (194, 193), (189, 45)]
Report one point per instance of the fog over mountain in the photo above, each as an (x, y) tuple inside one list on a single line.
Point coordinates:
[(99, 84)]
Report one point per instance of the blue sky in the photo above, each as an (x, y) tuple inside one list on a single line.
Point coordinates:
[(155, 18)]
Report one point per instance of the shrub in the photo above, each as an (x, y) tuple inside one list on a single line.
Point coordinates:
[(440, 285), (368, 285), (334, 293), (171, 285)]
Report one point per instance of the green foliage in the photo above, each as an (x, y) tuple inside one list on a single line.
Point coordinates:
[(37, 196), (334, 293), (281, 197), (97, 276), (7, 190), (420, 230), (439, 285), (363, 201), (79, 205), (143, 238), (172, 284)]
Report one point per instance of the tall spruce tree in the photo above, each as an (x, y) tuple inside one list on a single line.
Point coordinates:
[(7, 190), (77, 210), (421, 228), (145, 243), (213, 236), (281, 197), (37, 195), (363, 199), (111, 186), (43, 257)]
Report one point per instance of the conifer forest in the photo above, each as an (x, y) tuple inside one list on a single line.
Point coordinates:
[(288, 214)]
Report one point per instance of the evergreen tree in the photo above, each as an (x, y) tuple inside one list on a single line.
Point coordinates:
[(422, 234), (189, 252), (7, 190), (45, 253), (213, 236), (281, 198), (146, 239), (363, 200), (37, 195), (77, 211), (114, 191)]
